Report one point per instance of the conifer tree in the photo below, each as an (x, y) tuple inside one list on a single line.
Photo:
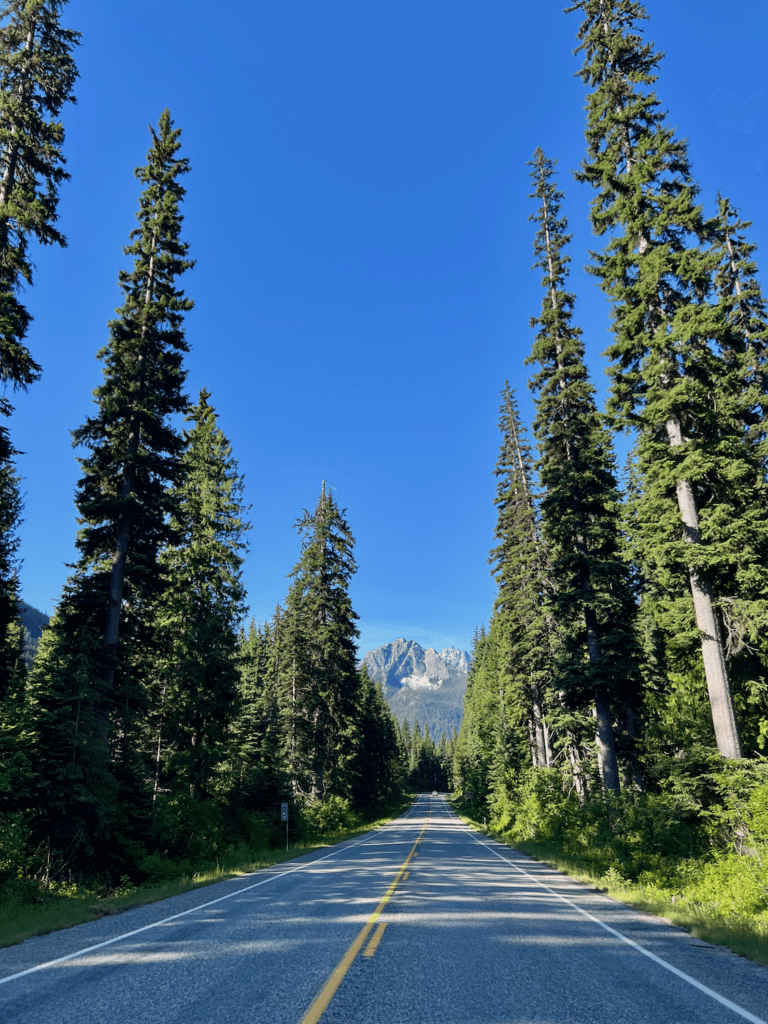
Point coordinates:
[(198, 614), (135, 451), (669, 378), (519, 570), (37, 75), (319, 681), (591, 596), (482, 712), (94, 761), (258, 777), (742, 302)]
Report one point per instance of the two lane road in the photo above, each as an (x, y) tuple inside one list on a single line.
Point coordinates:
[(424, 920)]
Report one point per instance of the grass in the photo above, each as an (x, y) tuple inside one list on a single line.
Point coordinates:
[(748, 937), (21, 920)]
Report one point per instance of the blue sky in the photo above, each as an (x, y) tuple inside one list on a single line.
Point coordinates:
[(358, 210)]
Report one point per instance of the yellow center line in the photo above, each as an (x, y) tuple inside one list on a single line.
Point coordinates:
[(370, 949), (326, 994)]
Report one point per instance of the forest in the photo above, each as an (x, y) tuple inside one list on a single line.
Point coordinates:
[(616, 714), (617, 706)]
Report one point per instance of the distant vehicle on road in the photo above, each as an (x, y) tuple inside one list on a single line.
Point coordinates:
[(434, 792)]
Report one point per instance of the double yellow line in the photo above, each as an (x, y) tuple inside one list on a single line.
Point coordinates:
[(320, 1004)]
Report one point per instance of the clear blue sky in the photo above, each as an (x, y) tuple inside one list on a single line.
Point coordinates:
[(358, 209)]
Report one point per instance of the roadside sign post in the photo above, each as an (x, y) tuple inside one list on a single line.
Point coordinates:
[(284, 817)]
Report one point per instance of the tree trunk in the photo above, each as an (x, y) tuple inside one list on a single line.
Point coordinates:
[(576, 772), (12, 149), (603, 720), (635, 774), (547, 742), (532, 744), (542, 755), (713, 655)]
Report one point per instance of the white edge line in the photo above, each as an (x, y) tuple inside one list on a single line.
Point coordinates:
[(630, 942), (175, 917)]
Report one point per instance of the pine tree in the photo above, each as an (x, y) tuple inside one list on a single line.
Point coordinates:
[(482, 713), (95, 768), (745, 342), (37, 75), (199, 612), (319, 681), (75, 792), (258, 777), (123, 496), (669, 377), (519, 570), (591, 595)]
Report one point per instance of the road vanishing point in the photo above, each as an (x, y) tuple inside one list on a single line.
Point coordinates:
[(424, 920)]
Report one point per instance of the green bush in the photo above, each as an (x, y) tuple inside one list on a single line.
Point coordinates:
[(328, 817), (731, 885)]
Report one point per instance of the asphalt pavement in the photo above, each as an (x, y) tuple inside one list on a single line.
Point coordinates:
[(424, 920)]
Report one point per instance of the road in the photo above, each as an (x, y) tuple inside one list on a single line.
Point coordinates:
[(422, 921)]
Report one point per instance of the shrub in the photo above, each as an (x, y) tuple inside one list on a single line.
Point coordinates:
[(328, 817)]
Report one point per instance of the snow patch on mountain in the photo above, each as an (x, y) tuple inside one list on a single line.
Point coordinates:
[(422, 682)]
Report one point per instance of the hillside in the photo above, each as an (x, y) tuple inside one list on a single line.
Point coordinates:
[(421, 683), (34, 622)]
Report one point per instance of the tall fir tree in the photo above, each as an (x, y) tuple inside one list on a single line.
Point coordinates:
[(90, 719), (126, 494), (519, 569), (319, 681), (670, 380), (591, 595), (746, 313), (198, 613), (259, 778)]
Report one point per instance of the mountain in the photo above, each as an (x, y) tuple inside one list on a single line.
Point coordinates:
[(423, 684), (33, 621)]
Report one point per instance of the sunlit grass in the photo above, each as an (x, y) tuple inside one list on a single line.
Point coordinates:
[(747, 936), (20, 920)]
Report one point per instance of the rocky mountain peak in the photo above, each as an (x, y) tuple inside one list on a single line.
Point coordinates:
[(421, 683)]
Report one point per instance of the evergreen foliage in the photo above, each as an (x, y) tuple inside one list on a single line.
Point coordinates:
[(520, 618), (673, 378), (655, 604), (199, 611), (37, 75), (318, 674), (89, 725), (124, 498), (591, 599)]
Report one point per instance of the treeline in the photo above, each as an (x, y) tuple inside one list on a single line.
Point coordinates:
[(152, 729), (428, 765), (626, 660)]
